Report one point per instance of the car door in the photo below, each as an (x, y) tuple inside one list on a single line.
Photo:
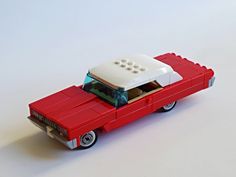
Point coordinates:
[(134, 110)]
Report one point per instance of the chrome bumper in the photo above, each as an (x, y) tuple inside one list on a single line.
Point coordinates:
[(72, 144), (211, 82)]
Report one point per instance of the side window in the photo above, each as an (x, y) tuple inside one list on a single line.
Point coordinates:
[(143, 90)]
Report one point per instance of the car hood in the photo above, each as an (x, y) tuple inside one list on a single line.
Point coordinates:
[(72, 107)]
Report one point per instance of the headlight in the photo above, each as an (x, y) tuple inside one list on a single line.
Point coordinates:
[(37, 115), (49, 122)]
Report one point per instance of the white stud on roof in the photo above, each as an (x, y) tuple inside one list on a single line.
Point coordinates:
[(130, 72)]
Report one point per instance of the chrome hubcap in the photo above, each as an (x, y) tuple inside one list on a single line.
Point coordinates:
[(87, 139), (169, 106)]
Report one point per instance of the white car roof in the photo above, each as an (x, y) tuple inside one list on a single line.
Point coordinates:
[(133, 71)]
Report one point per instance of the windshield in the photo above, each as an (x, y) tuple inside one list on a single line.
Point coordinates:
[(115, 97)]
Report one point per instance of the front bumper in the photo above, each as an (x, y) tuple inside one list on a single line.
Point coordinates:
[(72, 144)]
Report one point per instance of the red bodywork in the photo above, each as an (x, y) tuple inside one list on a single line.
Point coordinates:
[(79, 112)]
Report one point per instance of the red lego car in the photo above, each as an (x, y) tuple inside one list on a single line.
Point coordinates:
[(116, 93)]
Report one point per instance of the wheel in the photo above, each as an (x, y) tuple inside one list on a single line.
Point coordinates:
[(88, 140), (168, 107)]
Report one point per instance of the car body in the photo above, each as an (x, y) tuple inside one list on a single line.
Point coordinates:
[(117, 93)]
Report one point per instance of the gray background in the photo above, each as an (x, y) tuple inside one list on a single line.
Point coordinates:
[(46, 46)]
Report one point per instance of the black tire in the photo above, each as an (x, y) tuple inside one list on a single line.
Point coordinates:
[(88, 140), (168, 107)]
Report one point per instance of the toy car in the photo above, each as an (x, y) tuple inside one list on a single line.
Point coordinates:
[(117, 93)]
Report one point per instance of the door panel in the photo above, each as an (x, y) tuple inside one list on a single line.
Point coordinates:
[(131, 112)]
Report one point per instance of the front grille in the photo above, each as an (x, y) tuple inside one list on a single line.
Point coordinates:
[(49, 123)]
